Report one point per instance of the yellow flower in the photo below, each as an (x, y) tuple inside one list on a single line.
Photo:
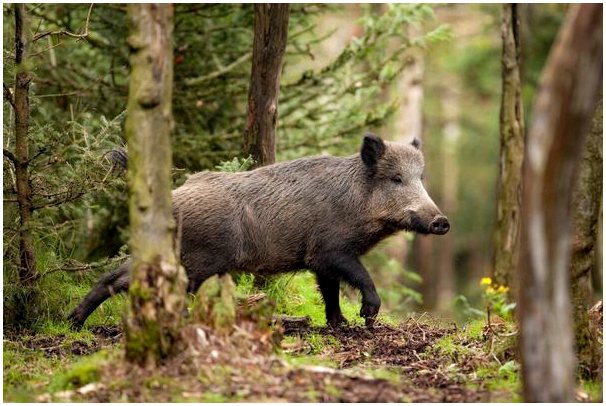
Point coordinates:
[(490, 290), (485, 281), (503, 289)]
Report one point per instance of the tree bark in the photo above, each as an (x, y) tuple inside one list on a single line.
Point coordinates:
[(271, 30), (157, 289), (509, 185), (445, 281), (586, 212), (27, 257), (408, 126), (569, 90)]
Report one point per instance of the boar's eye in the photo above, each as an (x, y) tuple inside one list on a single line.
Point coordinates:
[(396, 179)]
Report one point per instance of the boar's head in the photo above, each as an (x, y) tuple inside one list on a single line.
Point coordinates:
[(397, 195)]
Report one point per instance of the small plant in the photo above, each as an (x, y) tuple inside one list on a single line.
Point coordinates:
[(236, 164), (495, 297)]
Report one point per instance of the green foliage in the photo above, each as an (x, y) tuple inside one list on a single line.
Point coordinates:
[(463, 306), (236, 164), (326, 110)]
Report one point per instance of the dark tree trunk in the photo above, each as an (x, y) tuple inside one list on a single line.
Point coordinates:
[(509, 188), (569, 91), (586, 212), (271, 30), (157, 289), (27, 257)]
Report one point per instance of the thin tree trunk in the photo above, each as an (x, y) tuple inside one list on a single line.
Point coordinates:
[(408, 126), (271, 30), (422, 248), (27, 257), (586, 212), (446, 270), (157, 289), (569, 90), (509, 188)]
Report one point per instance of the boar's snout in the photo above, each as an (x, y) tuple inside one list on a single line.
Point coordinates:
[(439, 225)]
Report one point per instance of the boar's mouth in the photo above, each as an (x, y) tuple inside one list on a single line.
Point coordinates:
[(417, 225)]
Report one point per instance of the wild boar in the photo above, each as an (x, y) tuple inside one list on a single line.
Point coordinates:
[(319, 213)]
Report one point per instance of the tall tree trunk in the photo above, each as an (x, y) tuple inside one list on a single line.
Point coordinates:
[(445, 280), (407, 126), (271, 30), (509, 187), (157, 289), (586, 212), (569, 90), (27, 257)]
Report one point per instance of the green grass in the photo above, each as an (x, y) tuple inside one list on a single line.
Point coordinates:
[(26, 372), (85, 371), (297, 294), (502, 380), (594, 389)]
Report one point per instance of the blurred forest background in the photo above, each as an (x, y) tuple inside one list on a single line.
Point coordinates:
[(401, 71)]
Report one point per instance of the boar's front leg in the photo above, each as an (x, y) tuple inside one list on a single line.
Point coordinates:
[(329, 287), (350, 269)]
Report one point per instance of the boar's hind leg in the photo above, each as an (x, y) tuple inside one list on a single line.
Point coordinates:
[(350, 269), (110, 284), (329, 287)]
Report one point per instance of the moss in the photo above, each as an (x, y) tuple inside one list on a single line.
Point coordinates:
[(297, 360), (503, 381), (448, 347), (215, 303), (85, 371), (319, 342), (475, 329), (332, 391), (143, 344), (312, 395), (392, 375)]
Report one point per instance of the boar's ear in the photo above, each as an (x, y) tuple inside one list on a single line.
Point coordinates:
[(416, 143), (373, 149)]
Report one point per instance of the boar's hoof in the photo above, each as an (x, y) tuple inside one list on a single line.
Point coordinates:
[(336, 320), (369, 311), (75, 321), (370, 321), (439, 225)]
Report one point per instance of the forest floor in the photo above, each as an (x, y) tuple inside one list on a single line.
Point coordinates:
[(415, 361), (418, 359)]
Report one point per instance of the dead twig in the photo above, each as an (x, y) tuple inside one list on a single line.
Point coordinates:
[(8, 95), (10, 156)]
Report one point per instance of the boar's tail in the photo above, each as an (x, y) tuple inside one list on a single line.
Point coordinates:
[(118, 158), (110, 284)]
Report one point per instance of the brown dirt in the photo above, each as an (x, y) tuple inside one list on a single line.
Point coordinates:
[(244, 367), (61, 345)]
